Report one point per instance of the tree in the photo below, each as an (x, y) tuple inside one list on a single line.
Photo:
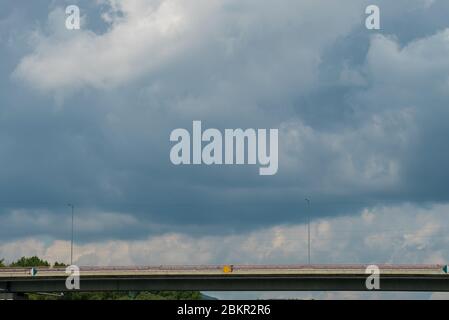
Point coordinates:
[(59, 264), (28, 262), (144, 295), (2, 263)]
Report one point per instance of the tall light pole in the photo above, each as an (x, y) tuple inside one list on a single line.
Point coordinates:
[(308, 230), (71, 242)]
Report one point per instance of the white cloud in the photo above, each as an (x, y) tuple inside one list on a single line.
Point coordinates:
[(399, 234), (72, 59), (146, 36)]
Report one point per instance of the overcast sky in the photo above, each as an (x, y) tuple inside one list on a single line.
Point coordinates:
[(86, 115)]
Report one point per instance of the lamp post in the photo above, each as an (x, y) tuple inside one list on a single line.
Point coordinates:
[(308, 230), (71, 242)]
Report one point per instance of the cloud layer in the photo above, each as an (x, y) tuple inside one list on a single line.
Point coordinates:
[(85, 118), (370, 237)]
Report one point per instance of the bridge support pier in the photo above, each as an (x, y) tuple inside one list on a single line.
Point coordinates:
[(12, 296)]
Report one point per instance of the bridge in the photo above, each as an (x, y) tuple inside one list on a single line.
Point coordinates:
[(228, 278)]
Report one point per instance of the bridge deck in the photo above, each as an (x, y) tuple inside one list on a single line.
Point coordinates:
[(234, 278), (219, 269)]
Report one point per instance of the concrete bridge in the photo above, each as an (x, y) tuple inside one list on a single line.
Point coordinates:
[(228, 278)]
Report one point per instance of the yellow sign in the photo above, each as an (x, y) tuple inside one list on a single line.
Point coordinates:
[(227, 269)]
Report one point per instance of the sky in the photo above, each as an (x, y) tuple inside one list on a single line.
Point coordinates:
[(86, 116)]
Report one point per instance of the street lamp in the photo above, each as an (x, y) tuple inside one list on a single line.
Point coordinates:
[(71, 243), (308, 230)]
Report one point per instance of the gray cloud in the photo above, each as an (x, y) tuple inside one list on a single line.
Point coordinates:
[(86, 116)]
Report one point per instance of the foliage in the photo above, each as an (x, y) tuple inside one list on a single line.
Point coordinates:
[(145, 295), (28, 262), (59, 264)]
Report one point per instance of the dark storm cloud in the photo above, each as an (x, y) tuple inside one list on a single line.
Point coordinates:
[(355, 129)]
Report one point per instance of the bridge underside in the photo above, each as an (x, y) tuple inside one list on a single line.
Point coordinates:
[(230, 283)]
